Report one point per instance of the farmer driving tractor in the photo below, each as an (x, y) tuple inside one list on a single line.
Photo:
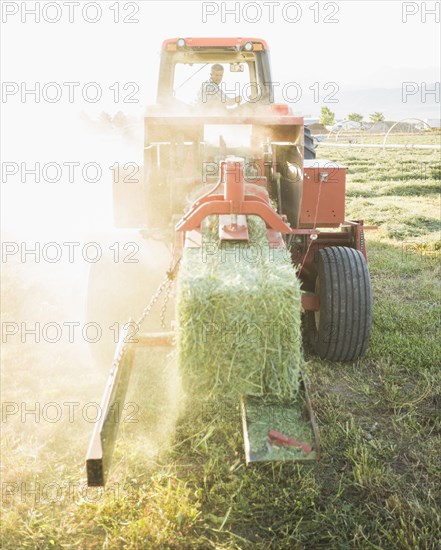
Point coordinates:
[(210, 92)]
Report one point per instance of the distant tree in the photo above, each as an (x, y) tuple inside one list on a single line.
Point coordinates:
[(327, 117), (376, 117), (356, 117)]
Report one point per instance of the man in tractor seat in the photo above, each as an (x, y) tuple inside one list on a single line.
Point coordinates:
[(210, 93)]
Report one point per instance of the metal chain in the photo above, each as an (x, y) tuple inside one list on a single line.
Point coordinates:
[(165, 302), (167, 282)]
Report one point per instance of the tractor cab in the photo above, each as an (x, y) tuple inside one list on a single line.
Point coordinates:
[(186, 64)]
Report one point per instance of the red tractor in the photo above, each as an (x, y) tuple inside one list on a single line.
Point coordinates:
[(226, 148)]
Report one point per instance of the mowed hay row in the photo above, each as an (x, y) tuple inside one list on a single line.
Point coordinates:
[(238, 312)]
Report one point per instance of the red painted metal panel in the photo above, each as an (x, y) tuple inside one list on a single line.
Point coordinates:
[(323, 200)]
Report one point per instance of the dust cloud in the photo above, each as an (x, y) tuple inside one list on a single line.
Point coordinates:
[(70, 280)]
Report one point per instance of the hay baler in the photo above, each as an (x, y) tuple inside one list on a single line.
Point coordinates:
[(205, 159)]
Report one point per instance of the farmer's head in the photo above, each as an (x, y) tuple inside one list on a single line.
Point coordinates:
[(217, 72)]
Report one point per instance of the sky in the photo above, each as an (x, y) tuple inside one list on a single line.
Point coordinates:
[(348, 45), (356, 44)]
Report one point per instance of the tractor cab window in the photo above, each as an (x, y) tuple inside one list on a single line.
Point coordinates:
[(189, 79)]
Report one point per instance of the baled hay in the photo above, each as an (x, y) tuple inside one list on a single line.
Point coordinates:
[(239, 317)]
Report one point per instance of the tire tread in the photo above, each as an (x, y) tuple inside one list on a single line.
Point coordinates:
[(345, 297)]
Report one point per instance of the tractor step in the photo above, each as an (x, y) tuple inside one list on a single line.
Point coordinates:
[(280, 431)]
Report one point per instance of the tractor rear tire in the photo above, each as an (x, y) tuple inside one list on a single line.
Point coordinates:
[(340, 331), (309, 147)]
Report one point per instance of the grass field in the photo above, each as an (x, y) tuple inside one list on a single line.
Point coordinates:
[(182, 484), (421, 137)]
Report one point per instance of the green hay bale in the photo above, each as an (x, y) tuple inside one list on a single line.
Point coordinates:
[(238, 310)]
